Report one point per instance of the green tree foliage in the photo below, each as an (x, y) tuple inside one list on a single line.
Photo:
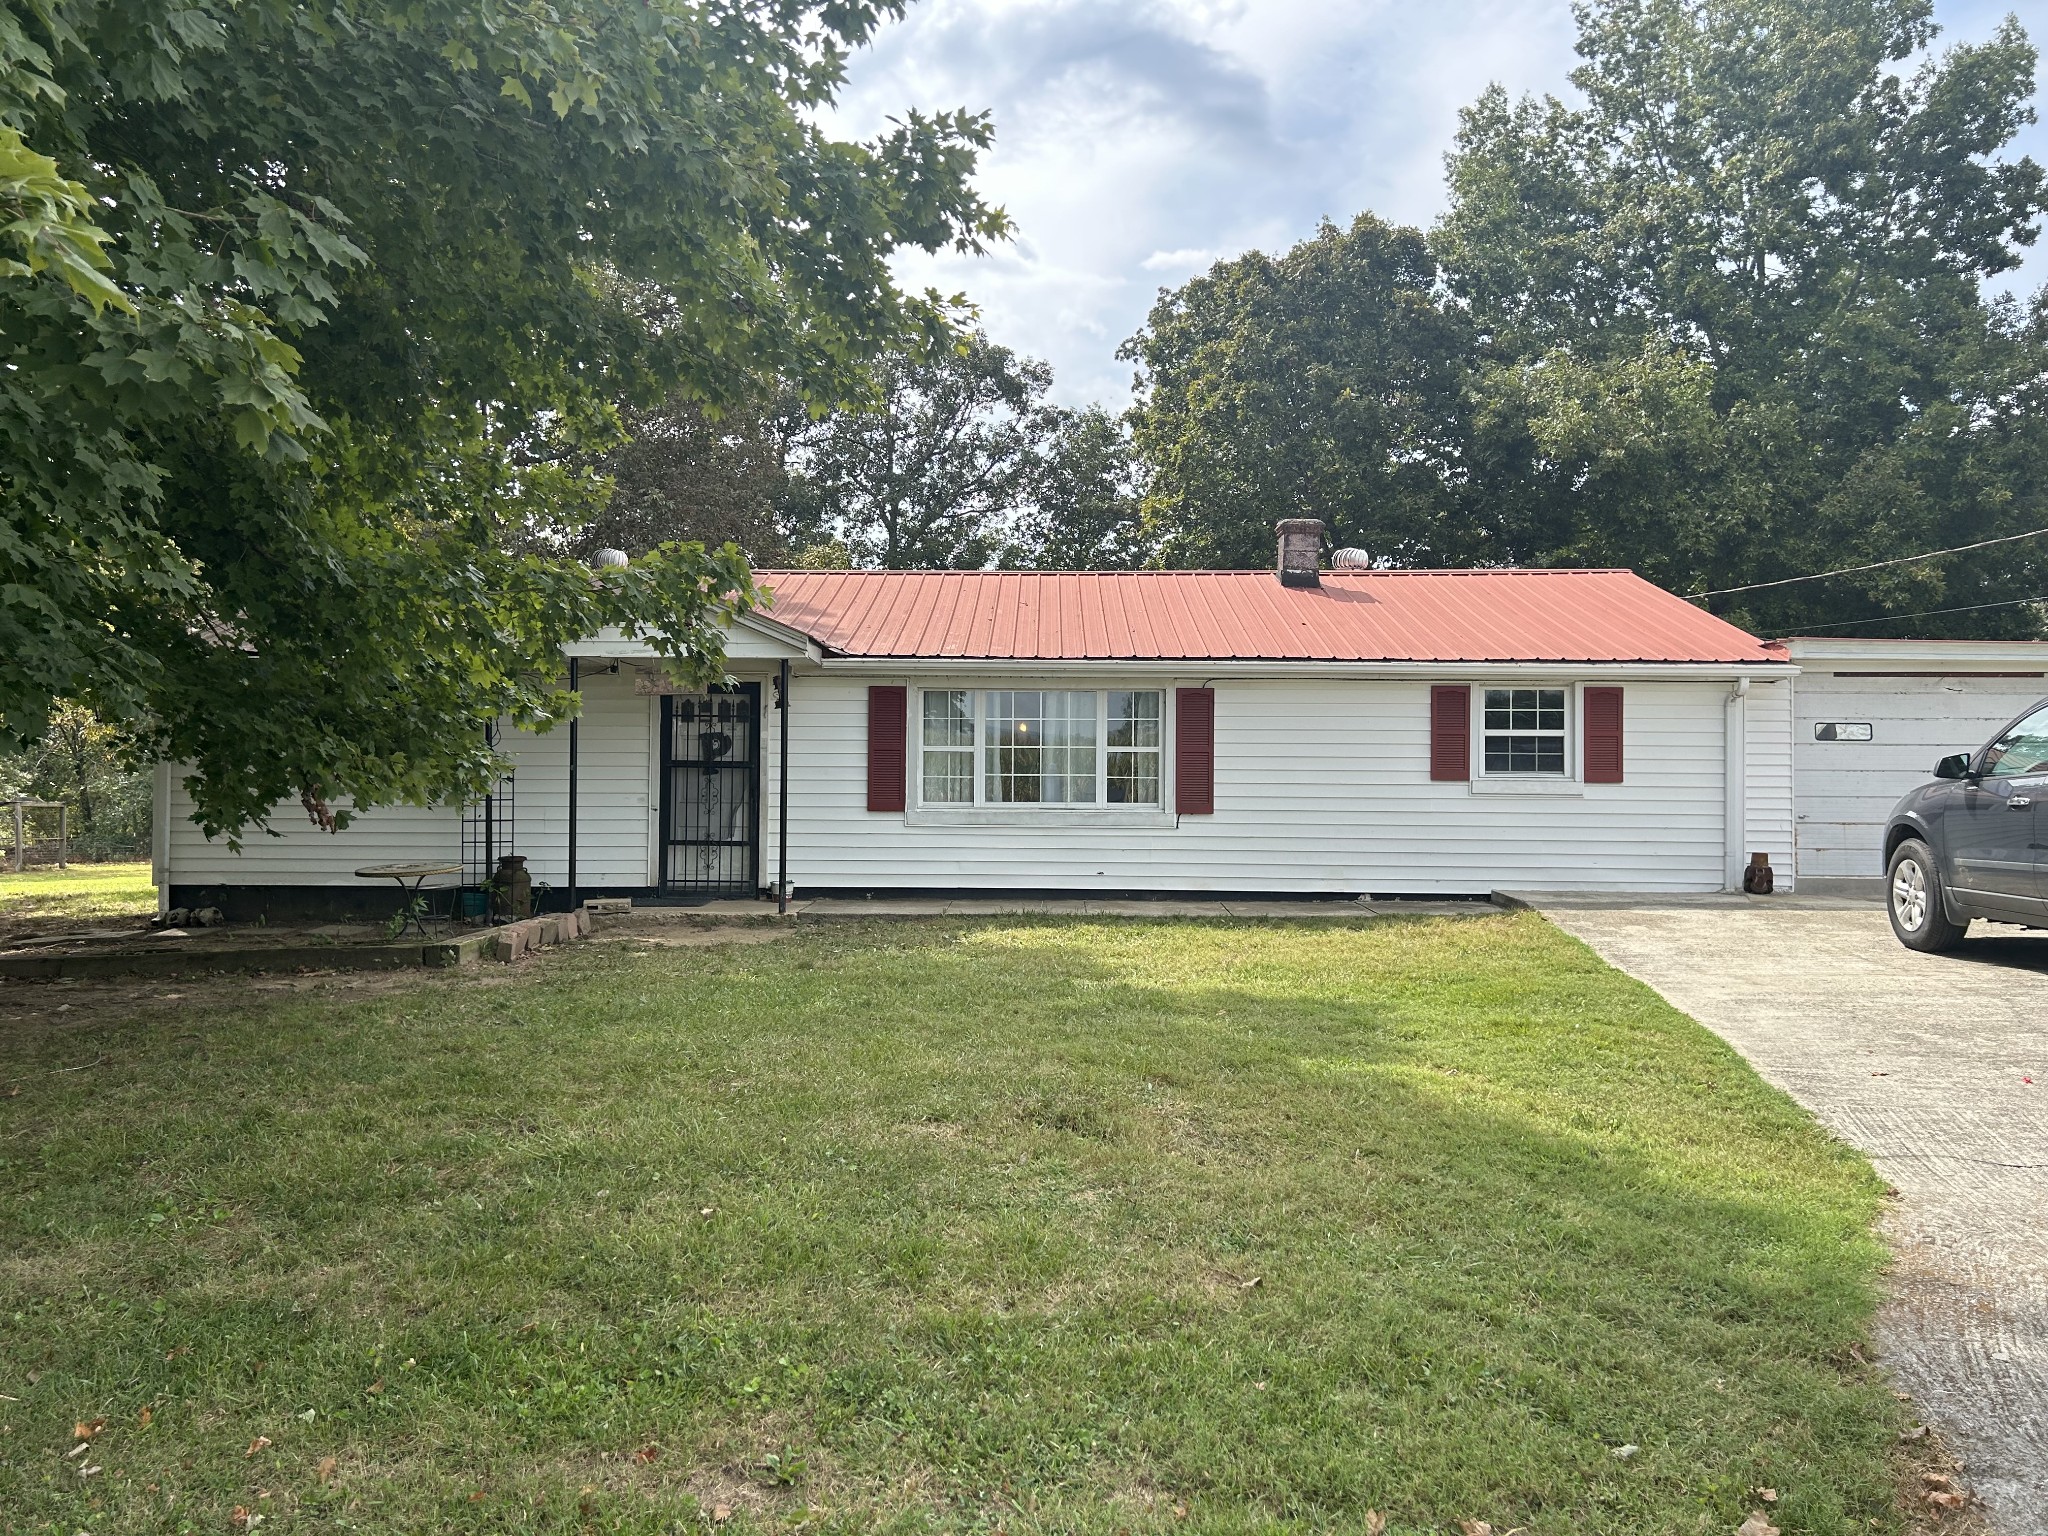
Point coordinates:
[(1732, 307), (308, 312), (958, 462), (1082, 511), (682, 475), (1721, 321), (928, 474), (1325, 383)]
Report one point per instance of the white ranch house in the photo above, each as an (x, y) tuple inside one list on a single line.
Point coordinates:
[(1293, 733)]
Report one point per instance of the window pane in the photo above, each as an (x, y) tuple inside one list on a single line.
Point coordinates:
[(1134, 719), (1525, 754), (2023, 749), (949, 778), (946, 774), (1133, 778), (1525, 709), (948, 720), (1040, 748)]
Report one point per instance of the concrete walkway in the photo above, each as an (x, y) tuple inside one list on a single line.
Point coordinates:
[(1923, 1062), (1075, 906)]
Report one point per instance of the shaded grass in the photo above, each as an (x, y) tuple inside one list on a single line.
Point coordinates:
[(83, 890), (1038, 1225)]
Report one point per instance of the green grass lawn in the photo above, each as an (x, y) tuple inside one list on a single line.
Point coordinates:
[(83, 890), (1018, 1225)]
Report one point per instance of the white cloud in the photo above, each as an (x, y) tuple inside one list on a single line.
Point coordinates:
[(1178, 261), (1140, 141)]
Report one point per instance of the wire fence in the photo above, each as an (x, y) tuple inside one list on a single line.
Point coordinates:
[(44, 835)]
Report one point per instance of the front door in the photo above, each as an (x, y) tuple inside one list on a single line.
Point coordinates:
[(1993, 826), (710, 793)]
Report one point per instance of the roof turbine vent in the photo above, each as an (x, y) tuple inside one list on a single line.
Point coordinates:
[(610, 559), (1351, 560)]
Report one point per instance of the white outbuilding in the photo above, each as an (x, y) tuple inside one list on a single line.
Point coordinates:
[(1872, 718)]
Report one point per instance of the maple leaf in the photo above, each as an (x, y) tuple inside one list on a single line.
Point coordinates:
[(83, 1430), (260, 1443)]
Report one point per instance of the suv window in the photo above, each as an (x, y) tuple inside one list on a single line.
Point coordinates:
[(2023, 749)]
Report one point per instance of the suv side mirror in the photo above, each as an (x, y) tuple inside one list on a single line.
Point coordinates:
[(1953, 767)]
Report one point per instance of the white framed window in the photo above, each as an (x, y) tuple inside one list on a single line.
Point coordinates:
[(946, 752), (1031, 747), (1525, 732), (1134, 718)]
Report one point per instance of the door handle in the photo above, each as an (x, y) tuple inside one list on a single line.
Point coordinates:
[(2018, 803)]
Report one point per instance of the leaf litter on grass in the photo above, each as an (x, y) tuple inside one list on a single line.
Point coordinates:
[(1529, 1179)]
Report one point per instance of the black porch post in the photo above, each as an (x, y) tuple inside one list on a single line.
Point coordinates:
[(573, 719), (782, 809)]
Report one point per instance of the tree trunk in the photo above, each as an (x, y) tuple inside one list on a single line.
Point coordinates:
[(74, 742)]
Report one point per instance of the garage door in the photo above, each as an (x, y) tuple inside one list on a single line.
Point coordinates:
[(1846, 780)]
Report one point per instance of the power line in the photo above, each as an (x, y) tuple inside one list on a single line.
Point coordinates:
[(1893, 618), (1875, 565)]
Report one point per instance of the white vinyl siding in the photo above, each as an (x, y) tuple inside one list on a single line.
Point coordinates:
[(613, 847), (1767, 791), (302, 854), (1322, 785), (614, 829)]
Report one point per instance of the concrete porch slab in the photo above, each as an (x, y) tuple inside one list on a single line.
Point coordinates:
[(1074, 906)]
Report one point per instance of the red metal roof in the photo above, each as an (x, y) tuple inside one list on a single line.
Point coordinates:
[(1451, 616)]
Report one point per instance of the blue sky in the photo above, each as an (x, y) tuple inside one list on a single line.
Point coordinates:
[(1140, 140)]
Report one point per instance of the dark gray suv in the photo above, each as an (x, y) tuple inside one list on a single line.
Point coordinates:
[(1975, 842)]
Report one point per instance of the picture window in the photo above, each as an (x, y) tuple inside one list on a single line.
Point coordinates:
[(1041, 747)]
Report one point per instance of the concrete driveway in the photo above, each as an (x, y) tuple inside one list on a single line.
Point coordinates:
[(1922, 1061)]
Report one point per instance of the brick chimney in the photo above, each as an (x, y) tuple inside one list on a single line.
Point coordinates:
[(1301, 551)]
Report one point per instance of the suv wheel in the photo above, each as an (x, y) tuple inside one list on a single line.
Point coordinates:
[(1919, 916)]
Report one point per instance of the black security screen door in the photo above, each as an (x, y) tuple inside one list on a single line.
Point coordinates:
[(710, 792)]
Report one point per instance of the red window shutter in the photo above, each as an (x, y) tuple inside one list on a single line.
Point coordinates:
[(1450, 734), (1194, 751), (1603, 735), (888, 717)]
